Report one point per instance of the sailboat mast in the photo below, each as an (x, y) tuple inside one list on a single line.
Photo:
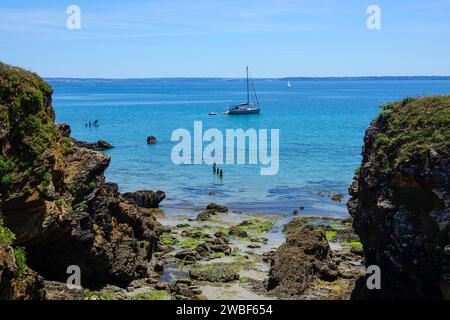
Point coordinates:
[(248, 93)]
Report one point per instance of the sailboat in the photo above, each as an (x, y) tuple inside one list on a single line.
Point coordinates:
[(249, 107), (289, 84)]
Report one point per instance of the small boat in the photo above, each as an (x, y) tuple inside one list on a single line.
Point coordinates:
[(249, 107), (289, 84), (212, 113)]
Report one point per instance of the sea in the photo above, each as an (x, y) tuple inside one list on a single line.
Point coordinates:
[(321, 123)]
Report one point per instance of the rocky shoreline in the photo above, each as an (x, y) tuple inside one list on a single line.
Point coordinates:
[(237, 256)]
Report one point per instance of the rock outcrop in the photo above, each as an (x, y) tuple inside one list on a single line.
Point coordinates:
[(151, 140), (100, 145), (211, 210), (303, 259), (214, 207), (401, 200), (145, 198), (54, 197)]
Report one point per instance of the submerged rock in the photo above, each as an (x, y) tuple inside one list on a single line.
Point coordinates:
[(337, 197), (211, 210), (216, 208), (151, 140)]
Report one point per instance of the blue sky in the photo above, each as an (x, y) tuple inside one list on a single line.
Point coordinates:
[(212, 38)]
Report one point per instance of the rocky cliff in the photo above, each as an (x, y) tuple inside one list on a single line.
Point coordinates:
[(53, 194), (401, 200)]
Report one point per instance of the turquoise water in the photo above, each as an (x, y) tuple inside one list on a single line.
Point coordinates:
[(321, 123)]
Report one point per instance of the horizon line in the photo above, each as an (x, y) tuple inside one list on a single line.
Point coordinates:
[(257, 78)]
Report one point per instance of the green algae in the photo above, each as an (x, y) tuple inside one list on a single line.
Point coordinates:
[(152, 295), (255, 227), (330, 235), (167, 240), (355, 244)]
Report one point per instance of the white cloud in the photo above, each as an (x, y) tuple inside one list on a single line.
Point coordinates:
[(165, 18)]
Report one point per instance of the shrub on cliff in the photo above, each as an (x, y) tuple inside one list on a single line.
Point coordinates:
[(6, 236), (27, 131), (6, 240), (409, 129)]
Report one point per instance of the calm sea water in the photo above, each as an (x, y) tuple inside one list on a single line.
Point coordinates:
[(321, 122)]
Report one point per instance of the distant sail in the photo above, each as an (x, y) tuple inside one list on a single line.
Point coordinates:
[(289, 84)]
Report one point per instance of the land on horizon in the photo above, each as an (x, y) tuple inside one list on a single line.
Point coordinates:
[(259, 78)]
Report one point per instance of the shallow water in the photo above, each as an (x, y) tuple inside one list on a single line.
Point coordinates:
[(321, 122)]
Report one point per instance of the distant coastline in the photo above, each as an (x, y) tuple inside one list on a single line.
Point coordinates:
[(366, 78)]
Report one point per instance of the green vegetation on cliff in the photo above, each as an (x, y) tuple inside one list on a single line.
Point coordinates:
[(21, 261), (409, 129), (27, 131), (6, 236), (6, 239)]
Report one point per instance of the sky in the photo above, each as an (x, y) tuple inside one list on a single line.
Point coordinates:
[(218, 38)]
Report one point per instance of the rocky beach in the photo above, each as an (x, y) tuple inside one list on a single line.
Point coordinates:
[(58, 210), (234, 256)]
